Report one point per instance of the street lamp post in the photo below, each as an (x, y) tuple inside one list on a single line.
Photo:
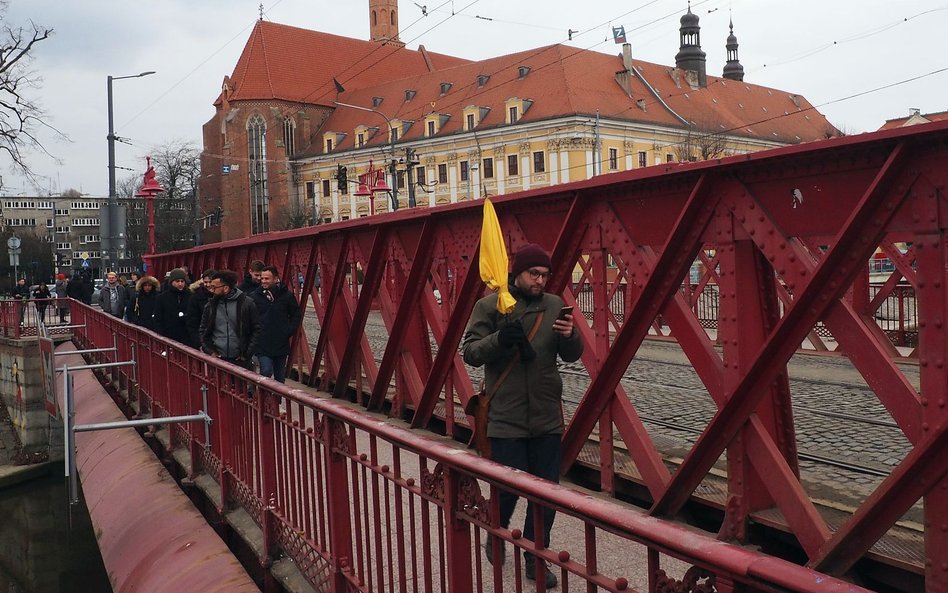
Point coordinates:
[(112, 208), (391, 136), (149, 189)]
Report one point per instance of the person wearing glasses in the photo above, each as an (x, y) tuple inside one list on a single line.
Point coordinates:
[(230, 327), (200, 295), (519, 354)]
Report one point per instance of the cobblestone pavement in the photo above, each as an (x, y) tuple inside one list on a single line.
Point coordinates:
[(666, 390)]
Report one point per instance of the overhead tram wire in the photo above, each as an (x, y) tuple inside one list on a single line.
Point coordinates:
[(540, 52), (855, 37), (326, 85)]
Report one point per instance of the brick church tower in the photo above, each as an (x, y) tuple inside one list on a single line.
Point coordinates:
[(383, 20)]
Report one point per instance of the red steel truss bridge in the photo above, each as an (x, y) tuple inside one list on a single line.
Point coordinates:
[(781, 239)]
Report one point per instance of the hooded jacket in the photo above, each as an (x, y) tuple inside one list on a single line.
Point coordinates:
[(141, 308), (246, 324), (528, 402), (199, 299), (280, 319)]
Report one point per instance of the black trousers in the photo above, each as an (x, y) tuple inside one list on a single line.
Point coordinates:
[(540, 456)]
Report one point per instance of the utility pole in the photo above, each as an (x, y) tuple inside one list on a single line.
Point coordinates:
[(115, 241)]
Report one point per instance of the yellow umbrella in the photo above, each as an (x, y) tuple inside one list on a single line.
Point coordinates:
[(493, 258)]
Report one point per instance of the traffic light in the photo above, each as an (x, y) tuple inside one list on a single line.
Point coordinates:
[(341, 180)]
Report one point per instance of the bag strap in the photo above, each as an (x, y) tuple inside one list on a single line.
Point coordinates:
[(516, 357)]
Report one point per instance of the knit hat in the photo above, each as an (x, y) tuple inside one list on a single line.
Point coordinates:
[(177, 274), (60, 276), (528, 256)]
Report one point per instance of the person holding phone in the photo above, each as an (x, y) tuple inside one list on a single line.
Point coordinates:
[(519, 353)]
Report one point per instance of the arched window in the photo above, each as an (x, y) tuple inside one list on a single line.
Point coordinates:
[(259, 197), (289, 135), (393, 18), (375, 18)]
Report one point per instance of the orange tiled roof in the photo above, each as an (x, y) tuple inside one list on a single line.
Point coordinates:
[(922, 117), (293, 64), (565, 81)]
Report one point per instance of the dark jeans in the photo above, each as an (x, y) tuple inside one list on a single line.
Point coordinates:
[(539, 456), (273, 366)]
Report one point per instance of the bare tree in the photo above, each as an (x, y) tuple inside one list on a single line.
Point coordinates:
[(702, 141), (178, 167), (20, 115)]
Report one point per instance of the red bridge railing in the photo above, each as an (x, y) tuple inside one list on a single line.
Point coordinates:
[(362, 505), (784, 235)]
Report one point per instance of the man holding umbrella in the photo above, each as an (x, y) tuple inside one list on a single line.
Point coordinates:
[(518, 346)]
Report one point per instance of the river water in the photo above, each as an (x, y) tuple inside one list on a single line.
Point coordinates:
[(46, 546)]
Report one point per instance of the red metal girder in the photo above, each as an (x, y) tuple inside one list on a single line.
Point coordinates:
[(931, 248), (853, 245), (567, 245), (902, 262), (407, 306), (863, 347), (373, 270), (681, 248), (469, 294), (334, 297), (915, 476), (299, 338)]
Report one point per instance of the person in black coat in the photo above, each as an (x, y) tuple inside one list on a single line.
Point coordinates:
[(41, 296), (141, 308), (172, 307), (280, 317), (251, 280), (200, 295)]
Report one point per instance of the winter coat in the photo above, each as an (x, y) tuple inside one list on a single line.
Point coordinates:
[(20, 292), (170, 311), (280, 319), (247, 324), (42, 293), (528, 402), (248, 285), (74, 288), (199, 299), (104, 296), (141, 307)]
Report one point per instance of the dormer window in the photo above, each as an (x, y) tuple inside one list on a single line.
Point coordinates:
[(393, 133), (445, 87), (523, 71), (432, 129), (470, 121), (331, 140), (360, 139), (377, 101), (517, 108), (482, 80), (410, 94)]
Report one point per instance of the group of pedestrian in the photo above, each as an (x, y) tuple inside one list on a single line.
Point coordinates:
[(42, 298), (247, 324)]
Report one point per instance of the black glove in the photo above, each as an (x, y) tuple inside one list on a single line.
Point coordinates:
[(511, 335)]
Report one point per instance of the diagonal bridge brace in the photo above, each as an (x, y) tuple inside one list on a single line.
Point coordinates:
[(861, 232)]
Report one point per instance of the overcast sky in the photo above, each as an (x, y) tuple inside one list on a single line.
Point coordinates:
[(824, 50)]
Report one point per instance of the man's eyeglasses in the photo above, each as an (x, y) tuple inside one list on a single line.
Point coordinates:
[(537, 274), (213, 286)]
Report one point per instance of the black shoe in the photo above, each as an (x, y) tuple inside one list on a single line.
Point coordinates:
[(489, 549), (529, 567)]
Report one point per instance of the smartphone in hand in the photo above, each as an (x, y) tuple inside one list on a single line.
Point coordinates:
[(564, 312)]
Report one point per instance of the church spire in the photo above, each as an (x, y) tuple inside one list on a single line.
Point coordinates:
[(689, 56), (383, 20), (733, 69)]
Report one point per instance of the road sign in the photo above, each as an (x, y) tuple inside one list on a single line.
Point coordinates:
[(13, 243), (85, 263), (84, 255)]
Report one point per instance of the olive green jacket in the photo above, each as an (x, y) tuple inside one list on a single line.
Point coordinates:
[(528, 402)]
